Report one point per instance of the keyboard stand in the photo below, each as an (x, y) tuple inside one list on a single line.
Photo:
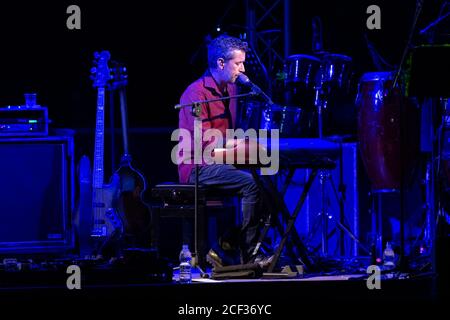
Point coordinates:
[(288, 218)]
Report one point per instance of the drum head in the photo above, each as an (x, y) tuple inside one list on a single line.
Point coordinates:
[(377, 76), (336, 70), (302, 68)]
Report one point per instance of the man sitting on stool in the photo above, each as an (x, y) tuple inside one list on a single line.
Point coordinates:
[(226, 57)]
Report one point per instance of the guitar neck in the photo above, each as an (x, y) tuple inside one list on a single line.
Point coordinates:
[(123, 111), (99, 139)]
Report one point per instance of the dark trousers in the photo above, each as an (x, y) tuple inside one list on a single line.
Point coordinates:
[(227, 177)]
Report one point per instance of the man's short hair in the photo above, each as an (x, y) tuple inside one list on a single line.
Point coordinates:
[(223, 47)]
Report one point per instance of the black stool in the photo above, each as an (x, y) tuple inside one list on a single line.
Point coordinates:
[(176, 201)]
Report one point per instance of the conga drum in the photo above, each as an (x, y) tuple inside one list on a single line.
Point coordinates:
[(388, 132)]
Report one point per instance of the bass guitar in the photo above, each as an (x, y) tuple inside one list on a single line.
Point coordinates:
[(107, 226)]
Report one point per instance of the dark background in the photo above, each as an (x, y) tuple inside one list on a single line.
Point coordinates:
[(162, 43)]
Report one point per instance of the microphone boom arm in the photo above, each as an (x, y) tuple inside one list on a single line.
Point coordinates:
[(434, 23)]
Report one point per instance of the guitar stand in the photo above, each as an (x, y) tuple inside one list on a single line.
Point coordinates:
[(113, 246)]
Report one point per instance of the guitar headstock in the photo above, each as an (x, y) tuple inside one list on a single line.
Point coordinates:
[(100, 72), (119, 75)]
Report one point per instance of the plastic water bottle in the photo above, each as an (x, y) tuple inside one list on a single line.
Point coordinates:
[(185, 265), (388, 257)]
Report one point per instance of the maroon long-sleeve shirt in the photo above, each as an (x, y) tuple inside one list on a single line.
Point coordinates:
[(214, 115)]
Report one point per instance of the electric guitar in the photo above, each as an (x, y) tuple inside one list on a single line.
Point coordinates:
[(132, 182), (107, 226)]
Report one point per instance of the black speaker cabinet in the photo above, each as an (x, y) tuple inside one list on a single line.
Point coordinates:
[(36, 194)]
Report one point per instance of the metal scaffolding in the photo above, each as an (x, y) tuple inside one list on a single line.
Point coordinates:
[(268, 27)]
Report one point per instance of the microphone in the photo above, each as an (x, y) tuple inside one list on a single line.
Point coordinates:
[(244, 80)]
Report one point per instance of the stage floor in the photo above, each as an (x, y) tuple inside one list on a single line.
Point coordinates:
[(264, 298)]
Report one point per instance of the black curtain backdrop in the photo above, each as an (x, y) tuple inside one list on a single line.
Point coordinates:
[(162, 43)]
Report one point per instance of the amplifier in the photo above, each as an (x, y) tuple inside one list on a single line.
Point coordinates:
[(36, 194), (20, 121)]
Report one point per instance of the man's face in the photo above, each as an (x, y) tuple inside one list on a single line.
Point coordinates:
[(233, 67)]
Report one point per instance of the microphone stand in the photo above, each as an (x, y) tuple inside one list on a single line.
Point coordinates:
[(433, 24), (402, 122), (408, 43), (196, 111)]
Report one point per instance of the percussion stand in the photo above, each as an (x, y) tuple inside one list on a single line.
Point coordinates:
[(324, 176), (321, 101)]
